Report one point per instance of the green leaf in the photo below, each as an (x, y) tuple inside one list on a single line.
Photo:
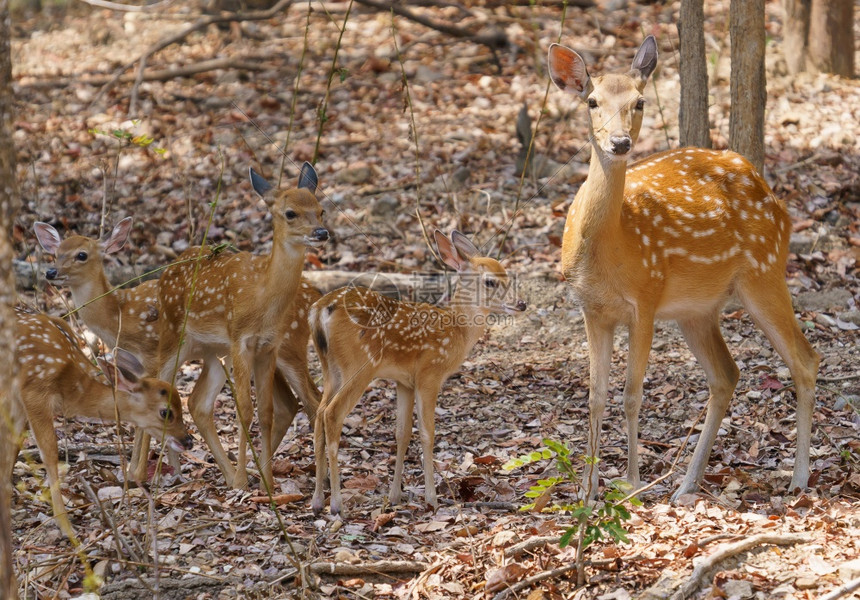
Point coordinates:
[(565, 537), (556, 447)]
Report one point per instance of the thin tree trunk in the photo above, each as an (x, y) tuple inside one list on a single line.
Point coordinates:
[(831, 37), (8, 395), (694, 123), (795, 37), (748, 86)]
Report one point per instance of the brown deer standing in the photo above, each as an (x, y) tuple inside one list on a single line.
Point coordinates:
[(238, 306), (128, 317), (56, 378), (361, 335), (672, 237)]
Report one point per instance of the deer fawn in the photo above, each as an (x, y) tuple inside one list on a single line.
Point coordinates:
[(361, 335), (131, 314), (56, 378), (673, 237), (239, 306)]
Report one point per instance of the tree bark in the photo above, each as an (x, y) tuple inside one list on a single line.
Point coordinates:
[(8, 395), (831, 37), (795, 35), (748, 86), (693, 117)]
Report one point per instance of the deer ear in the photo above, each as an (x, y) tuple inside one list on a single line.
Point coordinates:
[(308, 177), (567, 70), (117, 376), (448, 252), (464, 245), (260, 185), (48, 237), (645, 60), (117, 237)]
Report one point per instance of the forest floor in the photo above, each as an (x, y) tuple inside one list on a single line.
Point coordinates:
[(190, 536)]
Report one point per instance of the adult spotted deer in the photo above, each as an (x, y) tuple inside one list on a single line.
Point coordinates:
[(361, 335), (672, 237), (56, 378), (130, 317), (239, 306)]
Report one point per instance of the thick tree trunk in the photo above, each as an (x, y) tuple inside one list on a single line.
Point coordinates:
[(693, 117), (8, 395), (796, 34), (748, 89), (831, 37)]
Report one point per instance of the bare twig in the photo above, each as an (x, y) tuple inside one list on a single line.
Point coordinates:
[(705, 564), (383, 566), (842, 590), (129, 7), (202, 23)]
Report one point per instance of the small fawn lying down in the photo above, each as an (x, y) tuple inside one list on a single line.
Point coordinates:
[(361, 335), (56, 378)]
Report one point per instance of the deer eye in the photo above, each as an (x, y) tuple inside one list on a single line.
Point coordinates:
[(81, 256), (640, 104), (290, 214), (165, 414), (592, 103)]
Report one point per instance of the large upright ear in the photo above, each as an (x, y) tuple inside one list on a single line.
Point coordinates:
[(308, 177), (567, 70), (448, 252), (119, 378), (645, 61), (48, 237), (464, 245), (260, 185), (129, 364), (117, 237)]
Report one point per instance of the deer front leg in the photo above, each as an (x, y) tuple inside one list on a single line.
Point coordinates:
[(402, 434), (245, 412), (264, 372), (640, 337), (285, 406), (139, 456), (42, 425), (426, 400), (599, 336)]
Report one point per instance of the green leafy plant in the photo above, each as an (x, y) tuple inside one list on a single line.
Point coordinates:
[(603, 519)]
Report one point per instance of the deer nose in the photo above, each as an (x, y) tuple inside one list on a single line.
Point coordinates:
[(51, 274), (620, 144), (521, 305), (187, 441), (320, 234)]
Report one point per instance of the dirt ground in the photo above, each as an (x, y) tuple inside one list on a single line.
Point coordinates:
[(452, 122)]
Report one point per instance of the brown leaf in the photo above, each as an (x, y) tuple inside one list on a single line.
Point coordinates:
[(382, 520), (370, 482), (278, 499), (500, 578)]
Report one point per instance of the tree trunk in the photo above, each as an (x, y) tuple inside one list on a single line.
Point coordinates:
[(8, 395), (748, 90), (693, 117), (796, 34), (831, 37)]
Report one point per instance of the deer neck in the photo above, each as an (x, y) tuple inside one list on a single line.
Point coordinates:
[(283, 272), (95, 400), (102, 315), (594, 217), (468, 320)]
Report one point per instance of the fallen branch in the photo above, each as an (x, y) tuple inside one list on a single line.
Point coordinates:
[(202, 23), (705, 564), (842, 590), (530, 581), (493, 40), (383, 566), (129, 7), (531, 544)]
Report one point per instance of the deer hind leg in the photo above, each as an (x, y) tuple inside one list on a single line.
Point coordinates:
[(329, 427), (599, 335), (402, 434), (639, 345), (139, 456), (426, 395), (201, 405), (293, 362), (769, 304), (285, 407), (42, 426), (708, 346)]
